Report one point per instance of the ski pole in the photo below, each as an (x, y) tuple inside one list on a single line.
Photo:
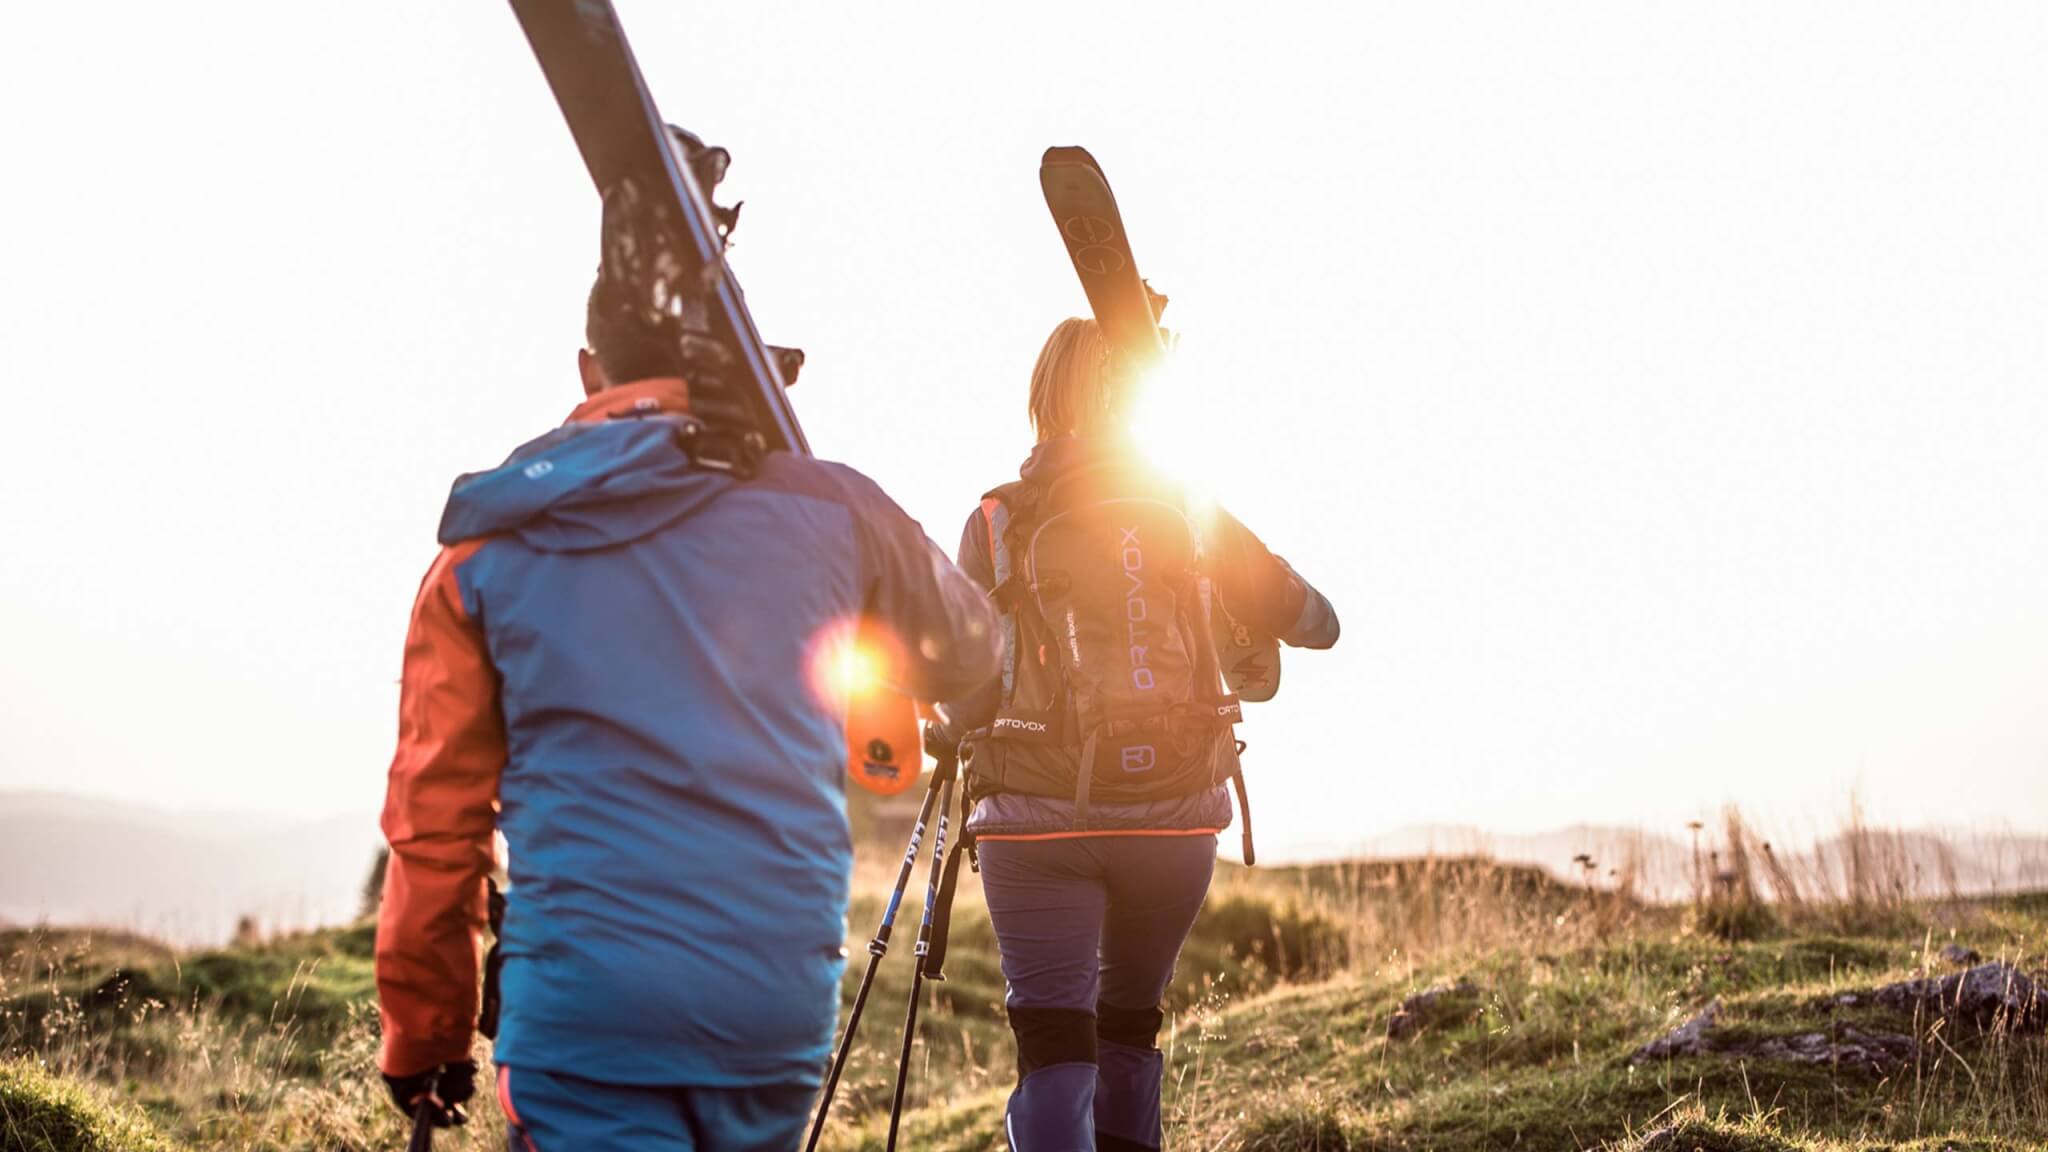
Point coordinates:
[(879, 945), (924, 939), (422, 1125)]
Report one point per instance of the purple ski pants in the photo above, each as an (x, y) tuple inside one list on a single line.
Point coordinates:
[(1089, 929)]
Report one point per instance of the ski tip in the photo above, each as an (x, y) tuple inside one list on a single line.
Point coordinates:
[(1067, 154)]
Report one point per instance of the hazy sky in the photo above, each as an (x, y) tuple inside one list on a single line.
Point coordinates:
[(1659, 391)]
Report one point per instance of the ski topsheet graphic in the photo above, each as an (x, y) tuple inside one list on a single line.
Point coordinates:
[(1085, 210), (665, 242), (1128, 312)]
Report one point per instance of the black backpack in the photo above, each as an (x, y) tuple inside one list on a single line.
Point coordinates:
[(1112, 689)]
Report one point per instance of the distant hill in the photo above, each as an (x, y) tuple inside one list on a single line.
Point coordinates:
[(1931, 860), (1662, 864), (187, 877), (183, 877)]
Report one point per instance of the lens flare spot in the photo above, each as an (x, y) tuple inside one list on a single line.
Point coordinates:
[(856, 669), (852, 661)]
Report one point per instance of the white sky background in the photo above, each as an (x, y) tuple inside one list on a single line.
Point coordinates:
[(1657, 390)]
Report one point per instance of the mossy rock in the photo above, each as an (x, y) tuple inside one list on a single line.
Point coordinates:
[(44, 1113)]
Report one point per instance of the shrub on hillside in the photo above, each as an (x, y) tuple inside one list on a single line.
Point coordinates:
[(1264, 940)]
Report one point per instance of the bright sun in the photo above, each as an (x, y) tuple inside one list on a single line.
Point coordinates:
[(1175, 424)]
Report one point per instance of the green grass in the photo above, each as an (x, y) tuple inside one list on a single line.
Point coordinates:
[(266, 1048), (308, 985), (44, 1113), (1277, 1038), (1536, 1055), (1539, 1057)]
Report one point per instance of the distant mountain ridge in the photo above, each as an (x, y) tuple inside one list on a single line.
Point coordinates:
[(1933, 861), (188, 877), (183, 877)]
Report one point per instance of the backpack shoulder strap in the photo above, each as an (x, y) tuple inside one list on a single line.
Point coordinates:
[(1004, 593), (996, 511)]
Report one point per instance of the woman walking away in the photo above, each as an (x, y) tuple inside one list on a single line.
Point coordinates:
[(1100, 760)]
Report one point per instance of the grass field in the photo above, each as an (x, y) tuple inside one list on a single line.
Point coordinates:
[(1447, 1004)]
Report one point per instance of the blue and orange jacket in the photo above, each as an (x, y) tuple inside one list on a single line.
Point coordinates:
[(1259, 586), (610, 663)]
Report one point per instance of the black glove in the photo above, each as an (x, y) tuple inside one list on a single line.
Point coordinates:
[(450, 1085)]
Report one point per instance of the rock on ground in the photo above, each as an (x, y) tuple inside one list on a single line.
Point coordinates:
[(1985, 995), (1428, 1007), (1960, 956), (1847, 1046), (1688, 1039)]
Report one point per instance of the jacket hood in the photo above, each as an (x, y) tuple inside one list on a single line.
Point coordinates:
[(615, 473), (1062, 454)]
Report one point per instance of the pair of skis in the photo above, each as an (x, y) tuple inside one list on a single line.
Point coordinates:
[(665, 256), (1128, 311), (664, 261), (672, 263)]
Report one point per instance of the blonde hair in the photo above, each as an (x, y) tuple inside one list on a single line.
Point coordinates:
[(1072, 390)]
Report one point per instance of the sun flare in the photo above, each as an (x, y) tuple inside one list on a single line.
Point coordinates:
[(1174, 424)]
